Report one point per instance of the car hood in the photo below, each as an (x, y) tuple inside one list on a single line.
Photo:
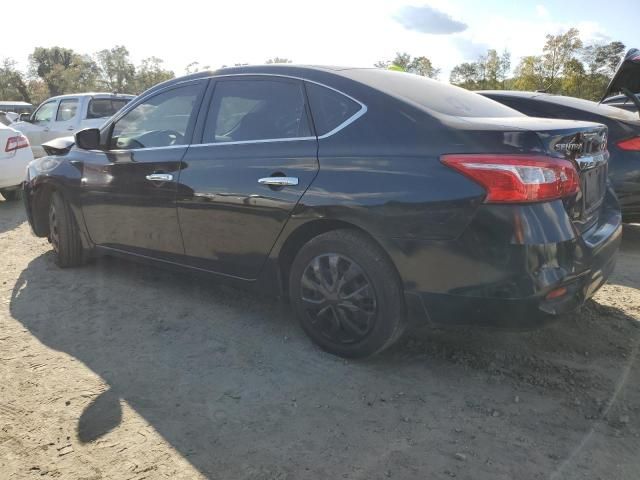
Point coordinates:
[(627, 75), (59, 146)]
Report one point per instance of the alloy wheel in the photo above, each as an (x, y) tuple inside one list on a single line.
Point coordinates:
[(338, 298)]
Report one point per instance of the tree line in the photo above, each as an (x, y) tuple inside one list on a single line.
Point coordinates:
[(566, 66), (57, 70)]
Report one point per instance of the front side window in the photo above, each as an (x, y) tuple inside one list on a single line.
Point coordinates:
[(250, 110), (67, 109), (160, 121), (45, 112)]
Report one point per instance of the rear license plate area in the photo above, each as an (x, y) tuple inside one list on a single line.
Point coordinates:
[(593, 187)]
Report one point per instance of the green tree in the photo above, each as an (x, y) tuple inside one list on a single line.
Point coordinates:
[(63, 70), (422, 66), (403, 62), (603, 58), (557, 52), (466, 75), (151, 72), (13, 85), (529, 74), (490, 71), (573, 82), (117, 73)]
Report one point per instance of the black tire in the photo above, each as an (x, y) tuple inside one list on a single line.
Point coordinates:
[(63, 233), (12, 195), (347, 295)]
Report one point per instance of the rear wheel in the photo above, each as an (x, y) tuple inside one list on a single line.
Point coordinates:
[(347, 295), (63, 233), (12, 195)]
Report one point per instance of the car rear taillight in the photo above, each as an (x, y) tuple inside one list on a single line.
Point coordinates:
[(518, 178), (15, 143), (632, 143)]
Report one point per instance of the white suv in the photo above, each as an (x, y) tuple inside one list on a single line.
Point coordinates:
[(64, 115)]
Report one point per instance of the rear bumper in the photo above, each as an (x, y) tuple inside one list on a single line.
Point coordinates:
[(509, 259), (14, 168)]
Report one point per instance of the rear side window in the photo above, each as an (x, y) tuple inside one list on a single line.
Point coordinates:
[(67, 109), (250, 110), (329, 108), (105, 107)]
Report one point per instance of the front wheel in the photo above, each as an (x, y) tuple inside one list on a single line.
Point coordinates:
[(12, 195), (64, 234), (347, 294)]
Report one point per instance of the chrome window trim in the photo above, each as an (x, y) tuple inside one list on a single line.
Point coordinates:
[(124, 150), (343, 125), (243, 142)]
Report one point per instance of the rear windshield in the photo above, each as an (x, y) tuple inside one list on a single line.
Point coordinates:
[(436, 96), (105, 107), (589, 106)]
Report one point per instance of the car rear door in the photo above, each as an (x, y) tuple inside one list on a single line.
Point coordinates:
[(237, 188), (129, 190)]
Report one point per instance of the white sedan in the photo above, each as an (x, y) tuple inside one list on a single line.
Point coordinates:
[(15, 155)]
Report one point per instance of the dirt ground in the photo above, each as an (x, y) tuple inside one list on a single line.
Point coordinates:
[(122, 371)]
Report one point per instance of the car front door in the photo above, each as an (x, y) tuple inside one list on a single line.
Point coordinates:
[(66, 119), (237, 188), (129, 190), (37, 130)]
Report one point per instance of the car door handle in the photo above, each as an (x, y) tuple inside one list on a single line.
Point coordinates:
[(70, 129), (46, 129), (278, 181), (160, 177)]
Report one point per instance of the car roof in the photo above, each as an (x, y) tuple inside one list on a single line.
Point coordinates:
[(92, 94), (16, 103), (286, 69)]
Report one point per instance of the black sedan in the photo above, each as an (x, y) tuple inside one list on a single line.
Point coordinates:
[(624, 136), (369, 198)]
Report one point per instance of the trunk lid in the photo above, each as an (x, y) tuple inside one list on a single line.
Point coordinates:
[(627, 77), (586, 148)]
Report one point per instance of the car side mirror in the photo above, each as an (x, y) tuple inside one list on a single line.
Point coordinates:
[(88, 138), (24, 117)]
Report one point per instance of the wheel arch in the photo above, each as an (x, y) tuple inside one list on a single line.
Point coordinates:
[(304, 233), (40, 208)]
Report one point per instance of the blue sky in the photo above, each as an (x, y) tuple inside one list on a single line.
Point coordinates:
[(345, 32)]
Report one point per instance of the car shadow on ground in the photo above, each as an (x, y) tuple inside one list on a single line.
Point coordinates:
[(232, 383), (9, 216)]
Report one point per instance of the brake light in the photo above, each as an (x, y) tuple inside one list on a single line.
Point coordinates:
[(15, 143), (632, 143), (518, 178)]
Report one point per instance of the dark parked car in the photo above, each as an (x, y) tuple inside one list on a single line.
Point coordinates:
[(626, 82), (367, 197), (624, 136), (622, 101)]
